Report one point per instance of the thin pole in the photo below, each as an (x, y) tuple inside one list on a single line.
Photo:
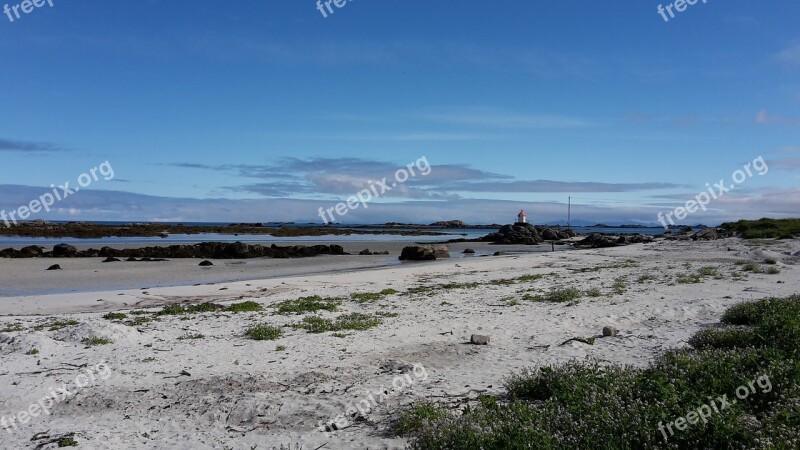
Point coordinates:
[(569, 213)]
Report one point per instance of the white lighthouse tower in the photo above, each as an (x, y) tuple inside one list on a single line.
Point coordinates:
[(521, 217)]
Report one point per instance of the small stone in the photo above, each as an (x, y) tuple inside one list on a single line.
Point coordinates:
[(206, 263), (110, 259), (610, 331), (469, 251), (499, 253), (477, 339), (54, 267)]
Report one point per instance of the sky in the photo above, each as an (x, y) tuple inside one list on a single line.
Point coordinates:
[(259, 111)]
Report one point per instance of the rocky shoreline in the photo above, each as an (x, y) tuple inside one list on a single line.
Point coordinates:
[(207, 250)]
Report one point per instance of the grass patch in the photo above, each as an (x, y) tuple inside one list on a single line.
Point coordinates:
[(280, 348), (56, 325), (354, 321), (12, 328), (594, 292), (307, 304), (771, 261), (529, 278), (620, 285), (115, 316), (765, 228), (419, 415), (752, 267), (587, 405), (707, 271), (369, 297), (32, 351), (773, 271), (138, 320), (556, 296), (95, 341), (248, 306), (645, 278), (688, 278), (263, 333)]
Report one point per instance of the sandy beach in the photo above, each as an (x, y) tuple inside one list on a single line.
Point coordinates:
[(194, 381)]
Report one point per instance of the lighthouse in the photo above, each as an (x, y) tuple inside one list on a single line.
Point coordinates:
[(522, 218)]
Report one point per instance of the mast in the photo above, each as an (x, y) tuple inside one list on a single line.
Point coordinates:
[(569, 212)]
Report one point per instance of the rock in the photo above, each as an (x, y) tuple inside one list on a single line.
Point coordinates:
[(365, 252), (132, 259), (32, 251), (550, 235), (519, 234), (469, 251), (110, 259), (595, 240), (449, 224), (54, 267), (477, 339), (206, 264), (500, 253), (418, 253), (610, 331), (424, 252), (64, 251)]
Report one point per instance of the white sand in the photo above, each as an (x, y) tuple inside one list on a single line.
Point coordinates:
[(241, 393)]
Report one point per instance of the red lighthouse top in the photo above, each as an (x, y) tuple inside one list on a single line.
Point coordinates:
[(521, 218)]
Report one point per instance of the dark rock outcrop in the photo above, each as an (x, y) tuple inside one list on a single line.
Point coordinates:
[(596, 240), (209, 250), (424, 252)]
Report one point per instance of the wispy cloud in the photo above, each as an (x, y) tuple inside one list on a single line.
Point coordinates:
[(490, 118), (764, 117), (7, 145), (550, 186), (790, 56)]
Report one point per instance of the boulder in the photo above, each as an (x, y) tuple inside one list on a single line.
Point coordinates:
[(418, 253), (206, 263), (110, 259), (610, 331), (469, 251), (477, 339), (595, 240), (64, 251), (54, 267), (32, 251), (519, 233), (550, 235)]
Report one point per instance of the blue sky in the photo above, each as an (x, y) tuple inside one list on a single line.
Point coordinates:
[(267, 111)]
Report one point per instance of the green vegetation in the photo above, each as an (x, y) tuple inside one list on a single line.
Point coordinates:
[(56, 325), (645, 278), (307, 304), (32, 351), (688, 278), (771, 261), (263, 333), (751, 267), (178, 310), (67, 441), (248, 306), (369, 297), (765, 228), (586, 405), (280, 348), (115, 316), (594, 292), (773, 271), (620, 285), (95, 341), (354, 321), (556, 296), (11, 328), (419, 415)]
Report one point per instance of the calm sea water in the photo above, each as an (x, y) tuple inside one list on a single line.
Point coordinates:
[(466, 233)]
